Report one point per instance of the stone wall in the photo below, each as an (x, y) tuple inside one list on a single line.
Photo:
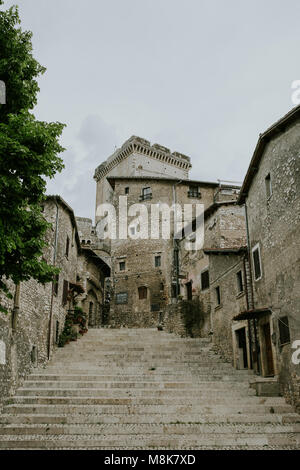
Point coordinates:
[(26, 337), (274, 226), (223, 274)]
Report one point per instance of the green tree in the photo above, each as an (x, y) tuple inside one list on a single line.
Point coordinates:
[(29, 152)]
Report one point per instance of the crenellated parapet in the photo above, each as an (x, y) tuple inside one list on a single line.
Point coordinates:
[(142, 146)]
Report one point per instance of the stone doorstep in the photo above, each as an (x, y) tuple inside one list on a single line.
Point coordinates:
[(265, 386)]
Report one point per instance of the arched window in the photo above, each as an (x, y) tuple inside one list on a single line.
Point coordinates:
[(142, 292)]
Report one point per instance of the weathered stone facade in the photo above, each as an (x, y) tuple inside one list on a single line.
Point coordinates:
[(271, 193), (30, 330), (133, 259)]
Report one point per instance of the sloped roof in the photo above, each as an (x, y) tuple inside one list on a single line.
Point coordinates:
[(264, 138)]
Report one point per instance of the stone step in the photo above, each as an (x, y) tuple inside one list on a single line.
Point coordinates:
[(143, 389), (134, 392), (149, 442), (150, 376), (146, 429), (121, 418), (126, 406), (149, 369), (123, 399), (209, 387)]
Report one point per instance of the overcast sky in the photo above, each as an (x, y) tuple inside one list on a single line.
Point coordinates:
[(202, 77)]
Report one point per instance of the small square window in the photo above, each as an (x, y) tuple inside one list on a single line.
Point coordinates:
[(239, 279), (146, 193), (157, 260), (122, 298), (142, 292), (194, 192), (127, 190), (122, 266)]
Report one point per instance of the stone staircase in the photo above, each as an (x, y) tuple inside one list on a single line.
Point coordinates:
[(143, 389)]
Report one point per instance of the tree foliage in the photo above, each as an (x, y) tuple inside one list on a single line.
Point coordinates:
[(29, 152)]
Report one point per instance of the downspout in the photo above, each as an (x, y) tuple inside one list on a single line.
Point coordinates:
[(175, 244), (251, 299), (247, 305), (52, 291)]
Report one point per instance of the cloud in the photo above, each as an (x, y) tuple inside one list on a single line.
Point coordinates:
[(94, 142)]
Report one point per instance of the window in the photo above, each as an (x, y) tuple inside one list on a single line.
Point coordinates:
[(122, 266), (57, 332), (55, 284), (155, 307), (34, 355), (162, 287), (256, 262), (194, 192), (132, 230), (65, 292), (142, 292), (268, 186), (157, 261), (239, 280), (284, 330), (218, 295), (67, 246), (127, 190), (205, 279), (122, 298), (146, 193)]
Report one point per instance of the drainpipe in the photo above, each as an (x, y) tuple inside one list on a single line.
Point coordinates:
[(251, 299), (247, 304), (52, 291), (175, 243)]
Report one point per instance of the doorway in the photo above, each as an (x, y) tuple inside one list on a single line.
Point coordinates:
[(189, 290), (268, 353), (242, 357)]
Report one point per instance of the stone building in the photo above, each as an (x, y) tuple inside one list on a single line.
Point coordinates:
[(137, 157), (271, 195), (36, 315), (200, 270), (144, 276)]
